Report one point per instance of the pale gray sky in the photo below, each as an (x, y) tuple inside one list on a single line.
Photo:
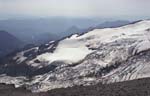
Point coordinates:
[(74, 8)]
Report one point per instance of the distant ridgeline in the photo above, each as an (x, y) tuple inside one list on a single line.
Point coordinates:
[(8, 43)]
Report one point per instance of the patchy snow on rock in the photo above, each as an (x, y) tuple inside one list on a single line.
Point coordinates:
[(20, 58), (18, 81)]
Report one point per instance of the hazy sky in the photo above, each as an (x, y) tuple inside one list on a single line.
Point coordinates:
[(74, 8)]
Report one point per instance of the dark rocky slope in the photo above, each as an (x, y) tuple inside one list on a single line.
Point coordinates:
[(140, 87)]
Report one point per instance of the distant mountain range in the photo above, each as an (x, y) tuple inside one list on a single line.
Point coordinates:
[(38, 31), (8, 43), (35, 30), (112, 24), (108, 24)]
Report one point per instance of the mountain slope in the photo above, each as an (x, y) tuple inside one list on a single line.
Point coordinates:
[(130, 88), (8, 43), (102, 55)]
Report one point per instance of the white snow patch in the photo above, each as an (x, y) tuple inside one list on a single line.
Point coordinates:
[(68, 50), (145, 45)]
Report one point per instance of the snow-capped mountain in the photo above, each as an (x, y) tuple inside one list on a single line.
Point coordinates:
[(102, 55)]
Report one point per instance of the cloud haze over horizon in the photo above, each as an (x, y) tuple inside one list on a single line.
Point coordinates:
[(74, 8)]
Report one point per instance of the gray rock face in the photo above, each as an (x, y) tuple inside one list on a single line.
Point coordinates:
[(103, 55)]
